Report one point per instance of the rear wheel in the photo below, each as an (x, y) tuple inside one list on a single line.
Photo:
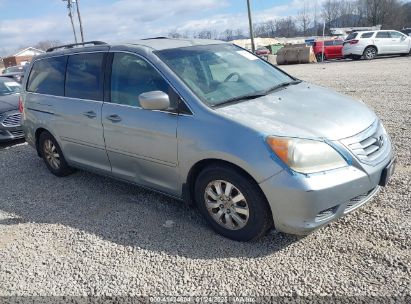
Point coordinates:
[(320, 57), (370, 53), (52, 155), (232, 203)]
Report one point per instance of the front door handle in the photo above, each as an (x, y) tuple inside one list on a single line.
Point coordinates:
[(90, 114), (114, 118)]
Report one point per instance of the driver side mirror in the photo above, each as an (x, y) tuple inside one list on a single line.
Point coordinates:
[(154, 100)]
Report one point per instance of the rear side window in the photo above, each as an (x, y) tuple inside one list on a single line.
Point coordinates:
[(351, 36), (338, 42), (84, 77), (328, 43), (383, 35), (367, 35), (47, 76)]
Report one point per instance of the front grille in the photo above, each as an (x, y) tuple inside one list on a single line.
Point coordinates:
[(17, 133), (359, 200), (369, 146), (13, 120)]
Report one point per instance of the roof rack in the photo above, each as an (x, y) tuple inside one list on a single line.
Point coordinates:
[(155, 38), (70, 46)]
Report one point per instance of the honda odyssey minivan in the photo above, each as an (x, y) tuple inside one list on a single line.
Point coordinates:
[(211, 124)]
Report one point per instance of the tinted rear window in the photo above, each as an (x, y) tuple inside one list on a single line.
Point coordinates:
[(84, 78), (351, 36), (367, 35), (383, 35), (47, 76)]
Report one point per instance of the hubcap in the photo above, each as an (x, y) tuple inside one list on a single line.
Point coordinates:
[(370, 53), (51, 154), (226, 204)]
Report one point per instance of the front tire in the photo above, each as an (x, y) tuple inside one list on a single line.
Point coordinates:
[(370, 52), (232, 203), (53, 156)]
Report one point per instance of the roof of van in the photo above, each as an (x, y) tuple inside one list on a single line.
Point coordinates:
[(159, 43), (171, 43)]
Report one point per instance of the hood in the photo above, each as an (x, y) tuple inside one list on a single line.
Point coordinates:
[(303, 110), (9, 102)]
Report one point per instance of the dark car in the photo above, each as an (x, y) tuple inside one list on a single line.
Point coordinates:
[(15, 72), (406, 31), (10, 117)]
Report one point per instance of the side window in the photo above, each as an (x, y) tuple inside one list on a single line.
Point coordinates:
[(396, 35), (84, 77), (338, 42), (383, 35), (328, 43), (47, 76), (367, 35), (132, 76)]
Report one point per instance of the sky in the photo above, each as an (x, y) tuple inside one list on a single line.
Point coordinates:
[(26, 22)]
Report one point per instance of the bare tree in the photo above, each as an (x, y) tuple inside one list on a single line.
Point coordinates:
[(44, 45), (304, 19)]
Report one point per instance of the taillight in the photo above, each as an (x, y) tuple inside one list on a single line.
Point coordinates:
[(20, 104), (353, 41)]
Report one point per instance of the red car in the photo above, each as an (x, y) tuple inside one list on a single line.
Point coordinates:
[(332, 49)]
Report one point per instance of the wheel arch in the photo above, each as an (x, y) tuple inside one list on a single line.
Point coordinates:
[(188, 186), (371, 45)]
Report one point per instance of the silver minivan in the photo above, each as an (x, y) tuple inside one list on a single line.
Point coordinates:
[(211, 124)]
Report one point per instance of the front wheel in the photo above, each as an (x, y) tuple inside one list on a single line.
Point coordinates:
[(232, 203), (370, 53)]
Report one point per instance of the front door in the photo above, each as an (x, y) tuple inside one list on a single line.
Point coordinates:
[(400, 42), (141, 144)]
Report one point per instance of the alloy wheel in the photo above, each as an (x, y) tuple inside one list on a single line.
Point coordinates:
[(226, 204), (51, 154), (370, 53)]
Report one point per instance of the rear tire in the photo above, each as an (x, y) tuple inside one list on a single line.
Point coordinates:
[(53, 156), (232, 203), (370, 52), (320, 57)]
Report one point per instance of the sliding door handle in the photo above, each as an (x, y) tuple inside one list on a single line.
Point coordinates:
[(114, 118), (90, 114)]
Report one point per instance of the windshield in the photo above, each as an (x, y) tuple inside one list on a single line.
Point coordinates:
[(8, 87), (222, 72)]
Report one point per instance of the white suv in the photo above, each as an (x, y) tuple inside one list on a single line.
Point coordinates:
[(369, 44)]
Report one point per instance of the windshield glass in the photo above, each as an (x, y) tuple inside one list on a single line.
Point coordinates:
[(222, 72), (8, 86)]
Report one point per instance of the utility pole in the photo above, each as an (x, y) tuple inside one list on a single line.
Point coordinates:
[(79, 20), (250, 21), (70, 14)]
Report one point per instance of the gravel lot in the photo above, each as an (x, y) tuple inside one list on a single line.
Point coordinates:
[(89, 235)]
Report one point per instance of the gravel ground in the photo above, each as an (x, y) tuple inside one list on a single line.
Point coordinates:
[(89, 235)]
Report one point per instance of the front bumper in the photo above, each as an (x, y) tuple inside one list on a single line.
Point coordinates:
[(10, 130), (302, 203)]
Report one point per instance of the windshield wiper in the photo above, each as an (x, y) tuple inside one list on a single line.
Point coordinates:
[(282, 85), (240, 98), (258, 94)]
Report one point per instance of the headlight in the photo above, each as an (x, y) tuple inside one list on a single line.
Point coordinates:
[(304, 155)]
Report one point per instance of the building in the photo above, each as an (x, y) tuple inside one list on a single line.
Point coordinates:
[(22, 57)]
